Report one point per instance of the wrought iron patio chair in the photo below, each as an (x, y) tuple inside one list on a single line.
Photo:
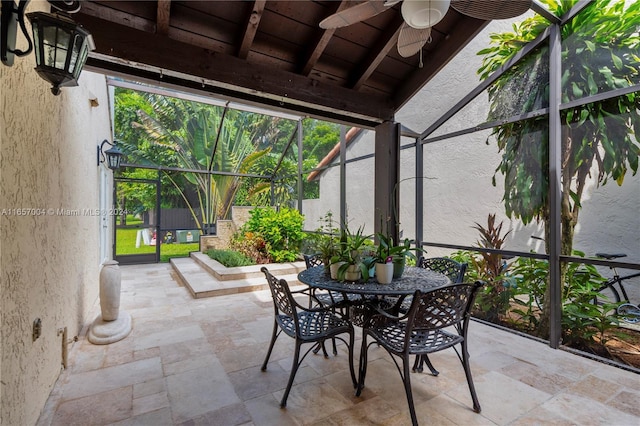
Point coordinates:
[(329, 298), (449, 267), (455, 272), (305, 325), (322, 298), (422, 331)]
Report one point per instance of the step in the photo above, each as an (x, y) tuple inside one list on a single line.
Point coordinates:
[(222, 273), (201, 283)]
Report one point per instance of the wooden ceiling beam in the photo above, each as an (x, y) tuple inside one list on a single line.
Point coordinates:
[(164, 14), (139, 23), (129, 46), (251, 27), (464, 31), (385, 43), (323, 38)]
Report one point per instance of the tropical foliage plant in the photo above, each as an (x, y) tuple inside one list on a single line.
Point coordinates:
[(173, 133), (599, 54), (494, 297), (205, 139), (278, 231)]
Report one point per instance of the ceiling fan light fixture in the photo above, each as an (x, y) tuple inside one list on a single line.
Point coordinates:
[(424, 13)]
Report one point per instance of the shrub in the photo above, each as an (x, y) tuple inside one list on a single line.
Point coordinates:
[(229, 258), (274, 235)]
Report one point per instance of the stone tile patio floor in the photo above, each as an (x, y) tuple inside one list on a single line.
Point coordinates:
[(197, 362)]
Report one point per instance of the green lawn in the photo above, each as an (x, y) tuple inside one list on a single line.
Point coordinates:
[(167, 251), (126, 244)]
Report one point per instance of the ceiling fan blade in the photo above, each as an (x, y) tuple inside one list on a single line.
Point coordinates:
[(494, 9), (360, 12), (411, 40)]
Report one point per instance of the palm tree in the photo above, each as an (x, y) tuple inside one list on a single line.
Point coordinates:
[(207, 139)]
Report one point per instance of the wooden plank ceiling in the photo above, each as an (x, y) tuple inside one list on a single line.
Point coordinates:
[(271, 53)]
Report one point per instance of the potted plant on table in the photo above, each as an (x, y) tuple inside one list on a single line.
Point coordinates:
[(327, 245), (384, 259), (351, 252), (399, 253)]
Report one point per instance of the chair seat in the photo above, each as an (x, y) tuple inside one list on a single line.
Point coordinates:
[(314, 325), (392, 337)]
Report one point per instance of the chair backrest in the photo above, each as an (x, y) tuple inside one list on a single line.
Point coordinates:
[(282, 298), (449, 267), (312, 260), (442, 307)]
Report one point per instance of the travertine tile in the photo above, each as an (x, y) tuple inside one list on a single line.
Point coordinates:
[(230, 415), (595, 388), (584, 411), (149, 403), (197, 362), (172, 335), (96, 409), (314, 400), (160, 417), (627, 401), (149, 387), (502, 398), (537, 377), (106, 379), (266, 411), (196, 392)]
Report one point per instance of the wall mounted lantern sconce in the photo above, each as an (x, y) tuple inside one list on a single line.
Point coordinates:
[(61, 46), (113, 155)]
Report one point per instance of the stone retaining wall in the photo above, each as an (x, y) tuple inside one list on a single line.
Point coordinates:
[(225, 229)]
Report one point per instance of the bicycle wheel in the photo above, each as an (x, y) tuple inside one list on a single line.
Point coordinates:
[(629, 312), (608, 287)]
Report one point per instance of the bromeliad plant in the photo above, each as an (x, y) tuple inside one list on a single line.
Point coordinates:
[(354, 252)]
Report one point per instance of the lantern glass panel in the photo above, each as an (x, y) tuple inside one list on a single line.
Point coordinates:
[(75, 53), (114, 161), (36, 43), (84, 52), (56, 42)]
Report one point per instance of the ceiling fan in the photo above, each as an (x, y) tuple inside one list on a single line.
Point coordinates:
[(421, 15)]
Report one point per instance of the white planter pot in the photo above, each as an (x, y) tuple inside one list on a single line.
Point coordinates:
[(353, 273), (384, 272), (110, 290), (333, 269)]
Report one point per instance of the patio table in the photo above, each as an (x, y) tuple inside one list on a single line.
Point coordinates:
[(412, 279), (372, 292)]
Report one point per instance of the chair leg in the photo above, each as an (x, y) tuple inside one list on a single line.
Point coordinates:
[(467, 373), (335, 349), (417, 364), (318, 346), (425, 358), (292, 375), (406, 379), (274, 336)]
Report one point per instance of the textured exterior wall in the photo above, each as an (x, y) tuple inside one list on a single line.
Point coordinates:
[(458, 190), (48, 261)]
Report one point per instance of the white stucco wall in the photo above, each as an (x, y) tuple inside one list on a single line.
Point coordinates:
[(49, 262), (458, 173)]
